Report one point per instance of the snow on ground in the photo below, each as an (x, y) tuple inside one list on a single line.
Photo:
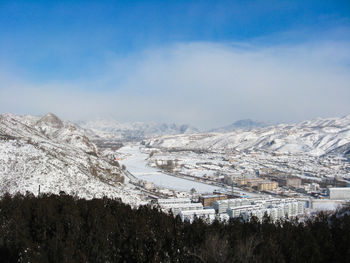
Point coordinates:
[(23, 168), (57, 156), (136, 163), (319, 148), (316, 137)]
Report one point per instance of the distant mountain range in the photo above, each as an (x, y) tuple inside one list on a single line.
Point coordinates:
[(133, 131), (109, 129), (315, 137)]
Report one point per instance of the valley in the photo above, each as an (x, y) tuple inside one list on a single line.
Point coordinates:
[(297, 161)]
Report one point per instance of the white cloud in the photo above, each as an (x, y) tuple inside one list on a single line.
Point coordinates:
[(204, 84)]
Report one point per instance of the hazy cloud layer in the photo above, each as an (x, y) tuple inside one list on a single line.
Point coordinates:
[(203, 84)]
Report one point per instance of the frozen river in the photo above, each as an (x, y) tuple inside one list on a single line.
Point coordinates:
[(135, 162)]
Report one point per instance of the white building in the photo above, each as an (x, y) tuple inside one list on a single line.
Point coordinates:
[(173, 201), (239, 210), (276, 208), (207, 215), (339, 193), (176, 208), (326, 204)]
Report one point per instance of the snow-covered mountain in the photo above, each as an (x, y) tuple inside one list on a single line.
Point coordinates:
[(111, 129), (245, 124), (315, 137), (58, 156)]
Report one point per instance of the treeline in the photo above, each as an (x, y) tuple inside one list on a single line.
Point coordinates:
[(62, 228)]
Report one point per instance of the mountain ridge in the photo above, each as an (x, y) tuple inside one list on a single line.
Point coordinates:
[(315, 137), (58, 156), (131, 131)]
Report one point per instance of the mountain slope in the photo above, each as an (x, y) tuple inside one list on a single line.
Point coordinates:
[(315, 137), (58, 156)]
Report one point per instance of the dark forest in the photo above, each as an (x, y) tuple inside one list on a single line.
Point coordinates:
[(63, 228)]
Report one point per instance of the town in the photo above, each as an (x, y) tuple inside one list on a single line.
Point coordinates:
[(229, 191)]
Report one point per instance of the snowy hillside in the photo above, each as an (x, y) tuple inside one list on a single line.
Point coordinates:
[(316, 137), (111, 129), (56, 155)]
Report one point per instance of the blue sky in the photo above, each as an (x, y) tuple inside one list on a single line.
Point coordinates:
[(94, 49)]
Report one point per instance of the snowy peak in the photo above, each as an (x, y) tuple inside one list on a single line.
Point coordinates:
[(48, 127), (245, 124), (50, 120)]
